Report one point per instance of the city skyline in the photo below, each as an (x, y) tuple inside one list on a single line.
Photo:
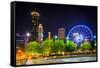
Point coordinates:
[(54, 33), (58, 17)]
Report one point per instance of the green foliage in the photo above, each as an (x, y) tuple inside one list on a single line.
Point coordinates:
[(59, 46), (33, 47), (95, 43), (47, 46), (86, 46), (70, 46)]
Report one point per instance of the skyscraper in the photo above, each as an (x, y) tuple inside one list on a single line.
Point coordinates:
[(35, 20), (35, 23), (61, 33), (40, 33)]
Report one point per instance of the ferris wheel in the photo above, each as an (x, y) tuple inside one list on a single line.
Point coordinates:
[(80, 33)]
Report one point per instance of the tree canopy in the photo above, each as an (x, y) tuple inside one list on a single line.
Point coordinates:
[(70, 46), (47, 46), (33, 47), (86, 46)]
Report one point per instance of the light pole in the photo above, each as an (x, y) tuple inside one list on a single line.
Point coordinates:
[(27, 36)]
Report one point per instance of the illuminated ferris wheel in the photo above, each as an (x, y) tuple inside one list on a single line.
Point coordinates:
[(80, 33)]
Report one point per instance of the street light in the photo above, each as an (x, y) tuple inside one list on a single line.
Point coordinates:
[(67, 38), (94, 36), (27, 36), (56, 36)]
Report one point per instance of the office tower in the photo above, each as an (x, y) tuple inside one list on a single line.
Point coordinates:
[(61, 33)]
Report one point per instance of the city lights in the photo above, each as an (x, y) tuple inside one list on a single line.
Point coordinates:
[(56, 36), (79, 38), (94, 36), (28, 34), (79, 33), (42, 43)]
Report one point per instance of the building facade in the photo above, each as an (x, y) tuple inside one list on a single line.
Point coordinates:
[(61, 33)]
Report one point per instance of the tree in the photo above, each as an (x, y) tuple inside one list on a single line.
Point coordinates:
[(70, 46), (95, 43), (86, 46), (33, 47), (59, 46), (47, 46)]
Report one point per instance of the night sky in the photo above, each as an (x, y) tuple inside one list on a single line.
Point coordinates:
[(55, 16)]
